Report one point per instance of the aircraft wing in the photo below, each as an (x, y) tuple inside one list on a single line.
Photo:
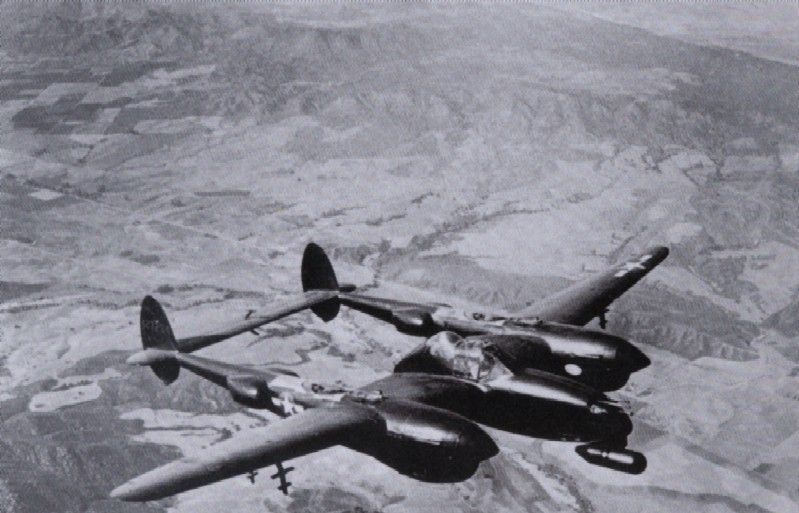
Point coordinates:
[(584, 300), (305, 300), (301, 434)]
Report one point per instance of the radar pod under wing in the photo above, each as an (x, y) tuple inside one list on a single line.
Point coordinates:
[(589, 298), (310, 299), (301, 434)]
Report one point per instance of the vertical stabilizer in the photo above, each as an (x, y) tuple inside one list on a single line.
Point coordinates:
[(317, 274), (156, 333)]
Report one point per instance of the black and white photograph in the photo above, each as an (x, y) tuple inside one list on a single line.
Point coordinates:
[(399, 256)]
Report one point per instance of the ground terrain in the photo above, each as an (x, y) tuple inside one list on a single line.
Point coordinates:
[(482, 156)]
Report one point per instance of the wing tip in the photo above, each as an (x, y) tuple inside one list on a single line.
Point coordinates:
[(125, 492), (658, 253)]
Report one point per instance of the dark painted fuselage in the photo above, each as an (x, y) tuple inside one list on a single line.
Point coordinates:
[(430, 421), (418, 439), (538, 405), (593, 357), (515, 404)]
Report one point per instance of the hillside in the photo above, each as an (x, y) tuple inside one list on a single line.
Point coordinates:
[(482, 156)]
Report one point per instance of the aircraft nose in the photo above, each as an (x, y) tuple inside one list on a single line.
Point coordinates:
[(633, 358), (484, 446), (625, 424), (615, 422), (475, 440)]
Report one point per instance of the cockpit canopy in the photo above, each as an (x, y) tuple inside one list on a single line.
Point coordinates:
[(449, 353)]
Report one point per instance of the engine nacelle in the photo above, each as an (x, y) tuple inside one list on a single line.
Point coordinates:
[(427, 443), (251, 391)]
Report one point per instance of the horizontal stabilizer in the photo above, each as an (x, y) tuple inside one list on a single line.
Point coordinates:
[(255, 320), (151, 357)]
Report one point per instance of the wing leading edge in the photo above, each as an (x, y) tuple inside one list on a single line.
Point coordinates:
[(589, 298), (304, 433)]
